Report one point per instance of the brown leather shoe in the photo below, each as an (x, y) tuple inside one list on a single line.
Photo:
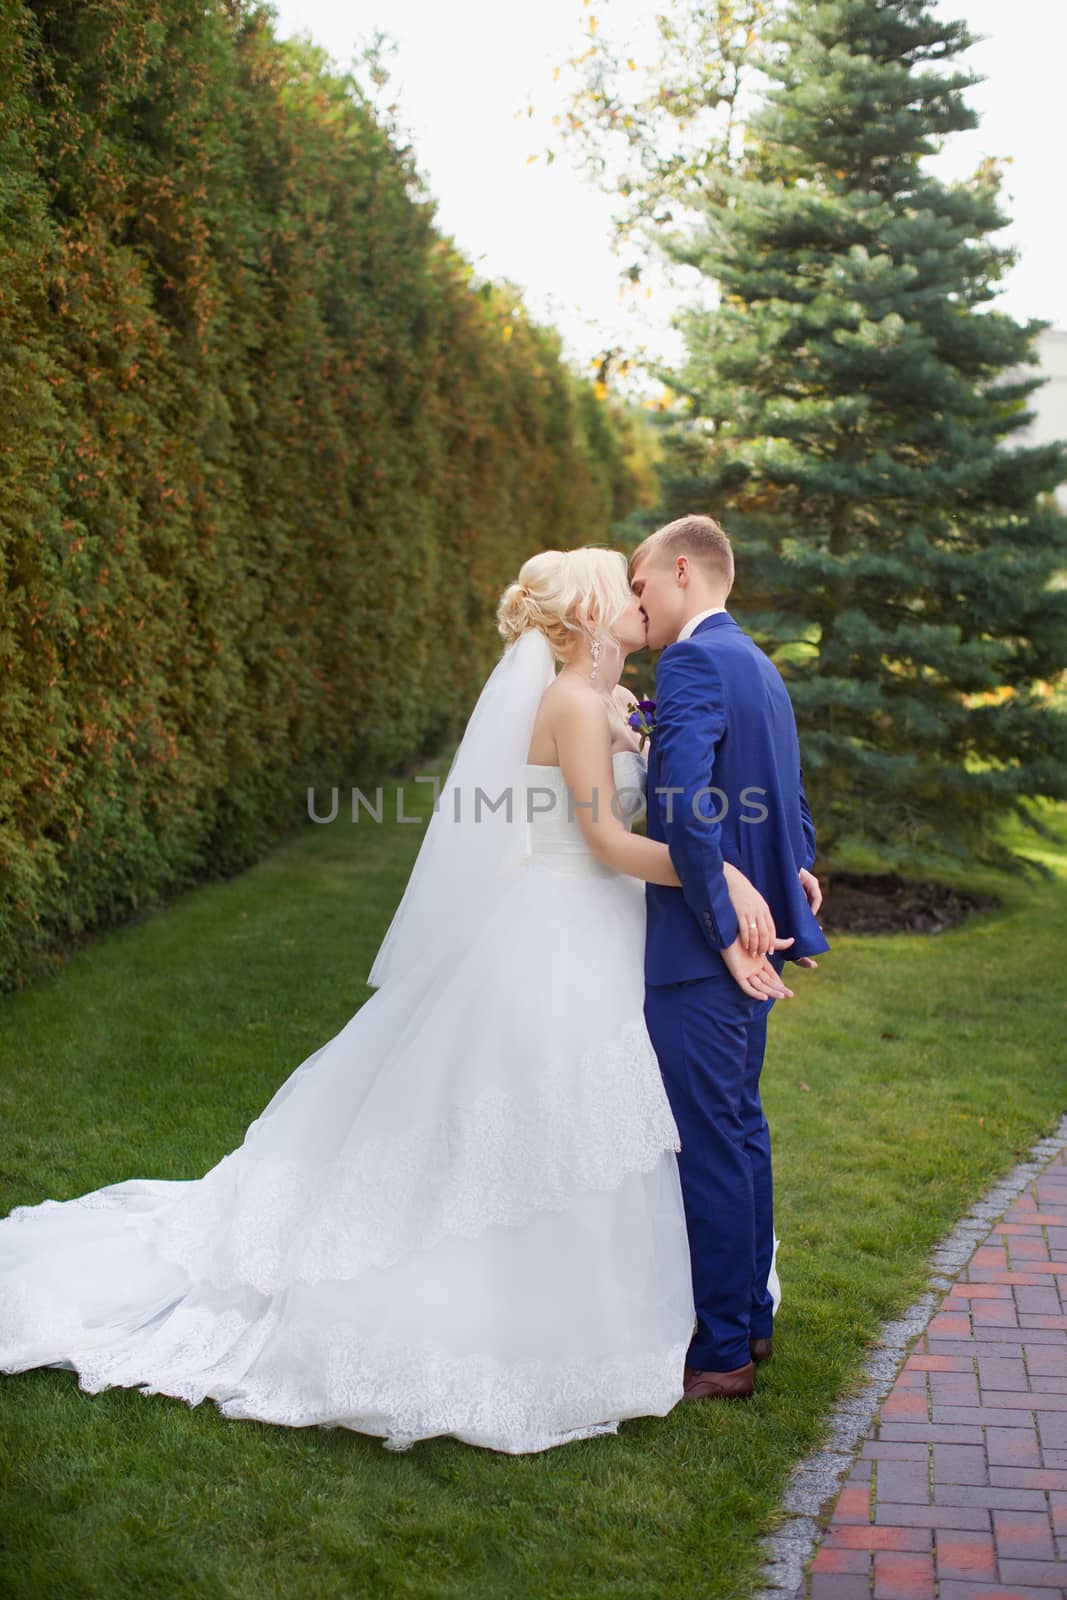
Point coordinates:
[(761, 1349), (736, 1385)]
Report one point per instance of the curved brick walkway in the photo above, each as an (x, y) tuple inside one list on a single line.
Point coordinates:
[(960, 1489)]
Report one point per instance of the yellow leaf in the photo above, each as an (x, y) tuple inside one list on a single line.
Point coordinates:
[(631, 63), (529, 159), (509, 329), (592, 24)]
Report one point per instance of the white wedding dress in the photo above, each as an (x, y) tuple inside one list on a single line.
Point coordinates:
[(461, 1215)]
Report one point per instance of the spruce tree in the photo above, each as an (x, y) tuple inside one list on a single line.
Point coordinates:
[(850, 407)]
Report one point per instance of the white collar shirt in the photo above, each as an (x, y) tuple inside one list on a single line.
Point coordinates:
[(688, 627)]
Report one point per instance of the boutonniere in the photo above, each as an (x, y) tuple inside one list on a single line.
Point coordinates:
[(643, 720)]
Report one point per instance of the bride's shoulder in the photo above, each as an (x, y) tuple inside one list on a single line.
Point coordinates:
[(571, 696), (572, 711)]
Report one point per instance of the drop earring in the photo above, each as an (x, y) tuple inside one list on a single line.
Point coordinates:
[(595, 647)]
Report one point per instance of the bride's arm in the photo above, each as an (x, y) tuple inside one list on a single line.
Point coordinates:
[(583, 744)]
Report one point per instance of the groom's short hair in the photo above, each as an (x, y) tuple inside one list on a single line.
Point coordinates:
[(698, 537)]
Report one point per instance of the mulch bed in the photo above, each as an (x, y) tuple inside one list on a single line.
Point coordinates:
[(882, 902)]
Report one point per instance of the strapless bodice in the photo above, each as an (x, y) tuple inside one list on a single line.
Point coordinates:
[(555, 831)]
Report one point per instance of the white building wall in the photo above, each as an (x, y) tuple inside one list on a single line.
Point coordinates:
[(1049, 403)]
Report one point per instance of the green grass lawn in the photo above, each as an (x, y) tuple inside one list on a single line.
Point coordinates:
[(906, 1074)]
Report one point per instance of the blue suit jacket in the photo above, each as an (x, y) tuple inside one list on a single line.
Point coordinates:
[(724, 723)]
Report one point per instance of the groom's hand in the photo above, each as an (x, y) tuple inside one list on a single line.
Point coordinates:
[(755, 974), (810, 885)]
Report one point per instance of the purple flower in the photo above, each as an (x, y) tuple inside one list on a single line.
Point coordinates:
[(643, 720)]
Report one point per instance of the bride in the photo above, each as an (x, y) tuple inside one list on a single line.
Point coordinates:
[(460, 1215)]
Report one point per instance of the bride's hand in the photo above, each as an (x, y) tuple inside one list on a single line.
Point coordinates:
[(624, 698), (755, 925)]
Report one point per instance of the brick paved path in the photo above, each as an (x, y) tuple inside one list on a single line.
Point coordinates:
[(960, 1490)]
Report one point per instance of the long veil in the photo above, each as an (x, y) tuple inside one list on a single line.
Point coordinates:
[(479, 828)]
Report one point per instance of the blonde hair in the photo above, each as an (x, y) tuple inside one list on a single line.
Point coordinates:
[(698, 537), (566, 593)]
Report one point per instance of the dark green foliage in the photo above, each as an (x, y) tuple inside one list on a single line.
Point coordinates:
[(851, 402), (269, 454)]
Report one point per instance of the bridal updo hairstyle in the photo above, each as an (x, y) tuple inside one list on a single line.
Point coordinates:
[(566, 593)]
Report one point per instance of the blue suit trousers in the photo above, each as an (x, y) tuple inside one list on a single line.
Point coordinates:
[(710, 1038)]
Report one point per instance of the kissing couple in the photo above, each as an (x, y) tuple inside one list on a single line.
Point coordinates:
[(525, 1192)]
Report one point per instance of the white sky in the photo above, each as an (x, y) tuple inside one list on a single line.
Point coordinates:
[(464, 73)]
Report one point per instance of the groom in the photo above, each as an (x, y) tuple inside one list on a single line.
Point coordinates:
[(724, 784)]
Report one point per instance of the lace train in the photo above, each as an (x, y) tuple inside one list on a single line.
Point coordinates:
[(474, 1338)]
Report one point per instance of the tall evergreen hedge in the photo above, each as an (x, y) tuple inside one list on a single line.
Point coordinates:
[(270, 453)]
